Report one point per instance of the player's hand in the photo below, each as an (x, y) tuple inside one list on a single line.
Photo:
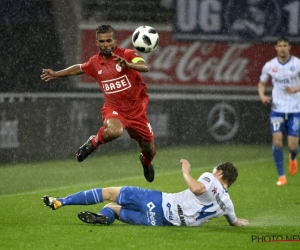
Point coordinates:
[(120, 60), (241, 222), (266, 99), (48, 74), (290, 90), (185, 166)]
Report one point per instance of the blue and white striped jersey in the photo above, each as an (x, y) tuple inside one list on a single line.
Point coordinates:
[(187, 209), (283, 75)]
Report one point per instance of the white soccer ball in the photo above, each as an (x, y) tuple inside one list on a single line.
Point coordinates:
[(145, 39)]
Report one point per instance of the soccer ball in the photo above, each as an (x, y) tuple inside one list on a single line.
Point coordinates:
[(145, 39)]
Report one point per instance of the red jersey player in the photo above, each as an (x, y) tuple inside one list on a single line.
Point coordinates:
[(117, 73)]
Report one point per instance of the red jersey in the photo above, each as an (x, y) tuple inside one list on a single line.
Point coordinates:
[(124, 89)]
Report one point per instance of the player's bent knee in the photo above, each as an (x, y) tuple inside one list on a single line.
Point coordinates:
[(113, 133), (114, 206)]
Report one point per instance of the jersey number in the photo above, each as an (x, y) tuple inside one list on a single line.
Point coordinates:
[(276, 126), (204, 214)]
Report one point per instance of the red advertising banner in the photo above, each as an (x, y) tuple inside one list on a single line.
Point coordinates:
[(194, 63)]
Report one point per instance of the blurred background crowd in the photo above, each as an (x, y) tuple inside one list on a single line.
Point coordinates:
[(36, 34)]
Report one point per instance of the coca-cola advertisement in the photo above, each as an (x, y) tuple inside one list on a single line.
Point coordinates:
[(194, 63)]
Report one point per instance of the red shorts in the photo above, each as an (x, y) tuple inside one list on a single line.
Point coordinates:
[(138, 128)]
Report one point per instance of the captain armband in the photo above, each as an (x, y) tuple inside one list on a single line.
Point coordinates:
[(137, 59)]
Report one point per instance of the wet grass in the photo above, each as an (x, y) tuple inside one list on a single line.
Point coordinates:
[(25, 223)]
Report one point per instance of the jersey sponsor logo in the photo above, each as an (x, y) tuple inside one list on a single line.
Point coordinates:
[(283, 81), (116, 85), (115, 113), (181, 216), (170, 212), (152, 219), (275, 69)]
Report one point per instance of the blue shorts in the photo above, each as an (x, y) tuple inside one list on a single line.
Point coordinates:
[(289, 122), (141, 207)]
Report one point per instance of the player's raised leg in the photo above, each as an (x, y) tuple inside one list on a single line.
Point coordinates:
[(141, 131), (86, 149), (88, 197), (148, 152), (111, 130), (51, 202)]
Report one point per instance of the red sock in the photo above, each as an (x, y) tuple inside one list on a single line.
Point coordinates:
[(98, 140), (148, 157)]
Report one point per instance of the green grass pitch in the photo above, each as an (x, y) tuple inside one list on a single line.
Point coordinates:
[(273, 212)]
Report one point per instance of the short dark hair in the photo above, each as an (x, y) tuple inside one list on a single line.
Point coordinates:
[(106, 28), (230, 172), (282, 39)]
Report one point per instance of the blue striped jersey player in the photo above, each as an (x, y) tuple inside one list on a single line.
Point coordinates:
[(284, 70), (203, 200)]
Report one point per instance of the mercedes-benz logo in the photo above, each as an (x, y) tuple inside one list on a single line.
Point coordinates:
[(223, 122)]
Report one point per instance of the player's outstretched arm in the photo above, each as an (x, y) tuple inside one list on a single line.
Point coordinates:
[(49, 74), (138, 66), (240, 222), (195, 186)]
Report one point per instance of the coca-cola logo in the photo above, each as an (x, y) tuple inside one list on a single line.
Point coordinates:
[(195, 63)]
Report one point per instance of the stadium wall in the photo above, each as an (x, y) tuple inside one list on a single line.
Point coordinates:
[(40, 126)]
